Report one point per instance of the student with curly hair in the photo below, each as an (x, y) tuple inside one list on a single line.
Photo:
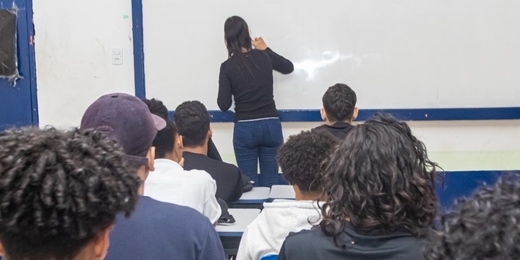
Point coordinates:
[(484, 226), (339, 109), (60, 193), (169, 182), (156, 230), (301, 159), (380, 202)]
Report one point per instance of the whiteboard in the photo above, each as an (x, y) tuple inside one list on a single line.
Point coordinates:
[(394, 54)]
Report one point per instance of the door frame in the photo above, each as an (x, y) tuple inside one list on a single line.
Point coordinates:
[(26, 61)]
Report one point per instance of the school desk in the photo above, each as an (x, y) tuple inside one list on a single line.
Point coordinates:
[(230, 234)]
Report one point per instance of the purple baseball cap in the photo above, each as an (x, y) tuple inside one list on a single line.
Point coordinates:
[(127, 120)]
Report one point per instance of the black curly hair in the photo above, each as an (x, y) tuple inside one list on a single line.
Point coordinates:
[(192, 121), (484, 226), (301, 158), (164, 141), (379, 178), (59, 189), (157, 107), (339, 102)]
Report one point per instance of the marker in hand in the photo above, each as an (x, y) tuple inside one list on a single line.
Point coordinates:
[(259, 43)]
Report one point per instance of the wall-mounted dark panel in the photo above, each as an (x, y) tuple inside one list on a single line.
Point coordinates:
[(8, 68)]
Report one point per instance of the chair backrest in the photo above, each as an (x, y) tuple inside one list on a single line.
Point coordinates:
[(269, 257)]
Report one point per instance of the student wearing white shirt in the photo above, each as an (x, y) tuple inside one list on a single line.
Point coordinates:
[(169, 182), (301, 160)]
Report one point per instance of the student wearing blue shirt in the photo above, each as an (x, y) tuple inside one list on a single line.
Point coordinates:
[(156, 230), (60, 193)]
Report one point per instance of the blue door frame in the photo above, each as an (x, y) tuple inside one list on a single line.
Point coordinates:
[(18, 103)]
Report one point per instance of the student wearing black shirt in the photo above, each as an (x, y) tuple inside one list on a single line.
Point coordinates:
[(339, 109), (192, 121), (381, 202), (247, 78), (160, 109)]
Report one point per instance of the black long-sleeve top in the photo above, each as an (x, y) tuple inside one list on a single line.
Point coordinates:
[(249, 81)]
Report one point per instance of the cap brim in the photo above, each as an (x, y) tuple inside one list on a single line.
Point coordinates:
[(158, 122)]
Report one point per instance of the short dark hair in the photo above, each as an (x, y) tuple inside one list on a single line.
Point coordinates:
[(301, 158), (192, 121), (339, 102), (484, 226), (157, 107), (59, 190), (164, 141), (380, 178)]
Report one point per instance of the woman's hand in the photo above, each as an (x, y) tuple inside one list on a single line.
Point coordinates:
[(259, 43)]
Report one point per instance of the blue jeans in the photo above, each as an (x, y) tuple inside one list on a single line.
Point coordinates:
[(258, 141)]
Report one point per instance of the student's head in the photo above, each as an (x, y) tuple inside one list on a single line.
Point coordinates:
[(157, 107), (60, 193), (128, 121), (339, 104), (301, 159), (484, 226), (379, 178), (236, 35), (167, 142), (192, 121)]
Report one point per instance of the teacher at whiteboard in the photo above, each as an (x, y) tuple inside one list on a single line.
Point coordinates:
[(247, 77)]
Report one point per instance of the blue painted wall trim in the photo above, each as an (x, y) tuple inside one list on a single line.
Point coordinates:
[(137, 31), (411, 114), (32, 62)]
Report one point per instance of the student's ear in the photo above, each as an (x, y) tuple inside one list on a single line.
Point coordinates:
[(177, 148), (355, 113), (182, 140), (151, 156), (210, 132), (2, 251), (178, 142), (102, 242), (323, 114)]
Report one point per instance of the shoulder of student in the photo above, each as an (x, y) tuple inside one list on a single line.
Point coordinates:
[(224, 166), (230, 166), (303, 237), (199, 174), (172, 212), (320, 127)]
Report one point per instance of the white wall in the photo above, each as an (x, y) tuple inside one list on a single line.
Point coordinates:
[(73, 58), (74, 41), (420, 53), (439, 136), (455, 145)]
